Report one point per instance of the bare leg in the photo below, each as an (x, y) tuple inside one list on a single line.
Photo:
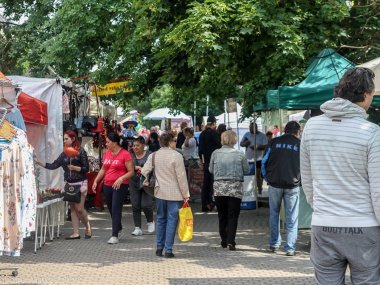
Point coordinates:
[(82, 214), (74, 220)]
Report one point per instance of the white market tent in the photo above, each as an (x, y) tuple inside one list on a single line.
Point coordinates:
[(232, 120), (165, 113), (49, 142), (374, 65)]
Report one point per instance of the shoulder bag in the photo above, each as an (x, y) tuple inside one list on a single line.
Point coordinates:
[(150, 181), (72, 193)]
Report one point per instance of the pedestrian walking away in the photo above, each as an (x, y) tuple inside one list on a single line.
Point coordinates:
[(281, 170), (171, 188), (209, 140), (228, 166), (340, 161)]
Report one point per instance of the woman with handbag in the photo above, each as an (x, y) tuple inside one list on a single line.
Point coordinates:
[(140, 200), (170, 189), (117, 169), (75, 168), (228, 166)]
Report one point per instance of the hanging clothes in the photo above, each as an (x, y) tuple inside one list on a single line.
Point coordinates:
[(15, 118), (17, 193)]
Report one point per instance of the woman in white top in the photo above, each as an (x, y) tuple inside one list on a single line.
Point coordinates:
[(190, 144)]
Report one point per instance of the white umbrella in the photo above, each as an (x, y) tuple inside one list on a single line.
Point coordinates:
[(164, 113), (374, 65)]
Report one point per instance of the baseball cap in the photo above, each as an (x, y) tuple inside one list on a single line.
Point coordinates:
[(211, 119)]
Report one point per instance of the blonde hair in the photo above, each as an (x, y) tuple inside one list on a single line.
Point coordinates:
[(229, 138)]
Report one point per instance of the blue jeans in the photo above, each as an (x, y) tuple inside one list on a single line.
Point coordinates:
[(291, 203), (166, 225)]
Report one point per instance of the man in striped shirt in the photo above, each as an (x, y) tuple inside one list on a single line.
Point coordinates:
[(340, 162)]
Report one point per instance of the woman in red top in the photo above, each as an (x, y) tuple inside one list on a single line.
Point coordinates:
[(117, 169)]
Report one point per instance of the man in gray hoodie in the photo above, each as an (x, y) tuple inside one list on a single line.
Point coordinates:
[(340, 162)]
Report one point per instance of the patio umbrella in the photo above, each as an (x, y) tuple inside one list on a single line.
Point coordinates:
[(164, 113)]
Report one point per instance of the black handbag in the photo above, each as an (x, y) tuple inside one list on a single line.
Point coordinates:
[(69, 126), (89, 122), (150, 181), (72, 193)]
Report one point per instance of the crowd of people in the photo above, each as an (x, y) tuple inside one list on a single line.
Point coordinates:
[(337, 155)]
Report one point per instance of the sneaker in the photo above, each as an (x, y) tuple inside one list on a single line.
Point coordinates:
[(231, 247), (290, 253), (137, 232), (159, 252), (113, 240), (273, 249), (151, 227), (169, 255)]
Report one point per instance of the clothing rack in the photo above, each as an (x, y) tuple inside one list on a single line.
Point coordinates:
[(14, 270)]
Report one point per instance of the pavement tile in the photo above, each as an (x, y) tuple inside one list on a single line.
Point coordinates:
[(133, 260)]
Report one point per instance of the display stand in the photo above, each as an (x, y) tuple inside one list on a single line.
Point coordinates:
[(45, 220)]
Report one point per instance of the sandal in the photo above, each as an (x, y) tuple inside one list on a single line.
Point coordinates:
[(71, 237)]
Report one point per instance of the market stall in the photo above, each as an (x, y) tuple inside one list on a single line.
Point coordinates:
[(18, 191)]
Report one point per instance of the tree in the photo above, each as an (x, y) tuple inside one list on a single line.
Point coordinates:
[(235, 48)]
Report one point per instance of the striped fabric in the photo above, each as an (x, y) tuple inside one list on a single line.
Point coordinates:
[(340, 166)]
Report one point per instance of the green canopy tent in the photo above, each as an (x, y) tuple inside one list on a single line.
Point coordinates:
[(321, 77), (270, 102)]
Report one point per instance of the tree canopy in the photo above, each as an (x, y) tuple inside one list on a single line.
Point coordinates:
[(186, 49)]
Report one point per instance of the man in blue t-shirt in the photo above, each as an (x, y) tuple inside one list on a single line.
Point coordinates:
[(249, 140)]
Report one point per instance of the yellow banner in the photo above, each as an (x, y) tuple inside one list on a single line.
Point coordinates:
[(111, 88)]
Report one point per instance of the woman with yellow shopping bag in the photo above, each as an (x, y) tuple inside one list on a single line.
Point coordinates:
[(171, 188), (228, 166)]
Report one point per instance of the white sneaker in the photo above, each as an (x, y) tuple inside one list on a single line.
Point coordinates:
[(137, 232), (151, 227), (113, 240)]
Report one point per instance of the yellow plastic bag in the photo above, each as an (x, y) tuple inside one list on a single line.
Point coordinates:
[(185, 223)]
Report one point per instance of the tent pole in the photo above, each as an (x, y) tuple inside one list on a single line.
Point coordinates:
[(195, 116), (237, 127), (225, 111), (207, 100), (255, 160)]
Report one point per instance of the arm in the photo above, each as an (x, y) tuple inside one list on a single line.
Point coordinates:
[(181, 177), (98, 178), (200, 147), (187, 139), (306, 175), (211, 165), (56, 164), (264, 163), (148, 166), (191, 142), (244, 141), (216, 139), (373, 173), (130, 172)]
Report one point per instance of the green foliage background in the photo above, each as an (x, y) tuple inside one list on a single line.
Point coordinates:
[(176, 52)]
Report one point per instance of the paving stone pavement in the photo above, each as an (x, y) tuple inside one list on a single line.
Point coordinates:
[(133, 260)]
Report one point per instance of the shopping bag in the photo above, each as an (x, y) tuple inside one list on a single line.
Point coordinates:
[(185, 224)]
